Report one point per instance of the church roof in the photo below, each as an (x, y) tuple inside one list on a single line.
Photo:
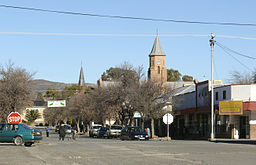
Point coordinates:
[(157, 48), (81, 81)]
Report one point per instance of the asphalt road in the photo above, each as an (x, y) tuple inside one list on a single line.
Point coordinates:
[(92, 151)]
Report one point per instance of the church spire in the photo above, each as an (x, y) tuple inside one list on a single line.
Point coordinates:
[(157, 48), (81, 81)]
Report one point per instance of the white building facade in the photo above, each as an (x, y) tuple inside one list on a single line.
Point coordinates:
[(193, 113)]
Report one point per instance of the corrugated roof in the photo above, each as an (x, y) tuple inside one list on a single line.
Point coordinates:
[(157, 48)]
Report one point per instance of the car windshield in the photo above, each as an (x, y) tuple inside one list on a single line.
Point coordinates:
[(67, 127), (26, 126), (103, 128), (116, 127), (135, 129), (96, 127)]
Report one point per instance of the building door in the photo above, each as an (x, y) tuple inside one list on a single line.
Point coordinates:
[(244, 127)]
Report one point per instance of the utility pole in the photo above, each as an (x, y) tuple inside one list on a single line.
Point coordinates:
[(212, 101)]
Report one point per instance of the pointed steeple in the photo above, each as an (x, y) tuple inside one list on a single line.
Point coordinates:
[(157, 48), (81, 81)]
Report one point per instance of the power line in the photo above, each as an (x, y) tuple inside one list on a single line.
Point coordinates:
[(129, 17), (234, 57), (228, 49), (233, 51), (123, 35)]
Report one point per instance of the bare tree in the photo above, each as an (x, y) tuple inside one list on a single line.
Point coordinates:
[(15, 92), (237, 77)]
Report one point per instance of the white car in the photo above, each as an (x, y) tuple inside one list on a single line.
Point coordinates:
[(114, 131), (94, 130)]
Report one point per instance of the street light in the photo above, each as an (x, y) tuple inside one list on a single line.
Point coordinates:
[(212, 103)]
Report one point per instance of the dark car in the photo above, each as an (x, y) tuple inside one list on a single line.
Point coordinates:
[(102, 132), (133, 133), (19, 134)]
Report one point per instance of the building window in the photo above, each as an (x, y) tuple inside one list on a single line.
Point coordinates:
[(217, 95), (158, 69), (224, 95)]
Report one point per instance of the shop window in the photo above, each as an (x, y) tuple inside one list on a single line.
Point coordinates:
[(224, 95), (217, 95)]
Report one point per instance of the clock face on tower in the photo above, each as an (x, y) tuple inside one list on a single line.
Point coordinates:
[(158, 62)]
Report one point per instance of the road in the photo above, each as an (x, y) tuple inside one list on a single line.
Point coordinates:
[(93, 151)]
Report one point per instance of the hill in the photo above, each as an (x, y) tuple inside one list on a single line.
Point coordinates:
[(40, 85)]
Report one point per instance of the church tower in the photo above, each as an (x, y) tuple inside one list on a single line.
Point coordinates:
[(81, 81), (157, 71)]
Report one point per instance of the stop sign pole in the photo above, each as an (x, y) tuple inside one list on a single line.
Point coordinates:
[(168, 119)]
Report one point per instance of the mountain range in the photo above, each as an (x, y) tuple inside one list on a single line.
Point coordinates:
[(41, 85)]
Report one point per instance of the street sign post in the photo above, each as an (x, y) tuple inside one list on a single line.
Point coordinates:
[(168, 119), (14, 117)]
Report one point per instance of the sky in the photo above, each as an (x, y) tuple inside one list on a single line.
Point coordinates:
[(115, 41)]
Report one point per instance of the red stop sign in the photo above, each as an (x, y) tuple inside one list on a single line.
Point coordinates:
[(14, 117)]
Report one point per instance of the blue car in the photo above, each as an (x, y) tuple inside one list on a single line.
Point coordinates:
[(133, 133), (19, 134), (102, 132)]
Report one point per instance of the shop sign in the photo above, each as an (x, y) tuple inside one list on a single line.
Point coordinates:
[(231, 108)]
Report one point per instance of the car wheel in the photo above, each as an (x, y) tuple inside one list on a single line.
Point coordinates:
[(18, 141), (28, 144)]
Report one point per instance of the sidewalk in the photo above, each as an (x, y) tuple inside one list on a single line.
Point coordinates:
[(234, 141)]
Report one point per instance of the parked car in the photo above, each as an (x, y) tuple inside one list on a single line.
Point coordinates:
[(66, 126), (133, 133), (19, 134), (94, 130), (102, 132), (57, 128), (114, 131), (68, 129)]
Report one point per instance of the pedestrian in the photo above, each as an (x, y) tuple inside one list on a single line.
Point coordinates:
[(62, 132), (73, 132), (47, 131)]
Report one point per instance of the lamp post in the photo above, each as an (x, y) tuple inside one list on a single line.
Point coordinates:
[(212, 101)]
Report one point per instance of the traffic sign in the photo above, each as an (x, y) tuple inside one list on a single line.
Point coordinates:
[(168, 118), (57, 103), (14, 117)]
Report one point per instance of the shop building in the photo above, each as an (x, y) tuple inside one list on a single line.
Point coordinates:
[(192, 112)]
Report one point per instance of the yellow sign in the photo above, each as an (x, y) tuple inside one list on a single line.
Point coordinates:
[(230, 108)]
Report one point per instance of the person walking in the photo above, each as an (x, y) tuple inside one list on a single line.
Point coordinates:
[(74, 132), (47, 131), (62, 132)]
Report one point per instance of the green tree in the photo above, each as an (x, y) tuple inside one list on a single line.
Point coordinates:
[(39, 96), (173, 75), (187, 78), (112, 74), (32, 115), (70, 91), (52, 93)]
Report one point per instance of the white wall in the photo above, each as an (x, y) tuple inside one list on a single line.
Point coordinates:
[(236, 93)]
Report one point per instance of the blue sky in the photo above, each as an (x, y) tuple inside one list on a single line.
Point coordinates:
[(58, 58)]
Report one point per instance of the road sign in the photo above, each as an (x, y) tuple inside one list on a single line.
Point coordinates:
[(168, 118), (57, 103), (14, 117)]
